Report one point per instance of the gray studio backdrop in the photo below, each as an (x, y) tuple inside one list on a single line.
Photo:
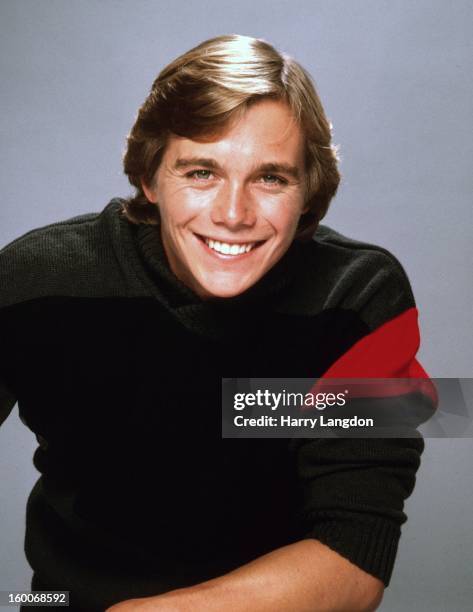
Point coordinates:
[(395, 78)]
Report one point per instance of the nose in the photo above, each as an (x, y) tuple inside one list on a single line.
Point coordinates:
[(233, 208)]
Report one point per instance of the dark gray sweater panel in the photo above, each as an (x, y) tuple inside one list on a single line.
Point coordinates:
[(93, 255), (78, 257)]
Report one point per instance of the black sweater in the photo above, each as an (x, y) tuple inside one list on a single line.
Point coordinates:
[(117, 367)]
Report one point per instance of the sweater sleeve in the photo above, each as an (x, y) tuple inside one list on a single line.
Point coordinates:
[(353, 490), (7, 401), (7, 397)]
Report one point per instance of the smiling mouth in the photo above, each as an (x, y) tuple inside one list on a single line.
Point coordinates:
[(230, 248)]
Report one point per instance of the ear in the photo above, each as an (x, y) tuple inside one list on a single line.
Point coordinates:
[(149, 192)]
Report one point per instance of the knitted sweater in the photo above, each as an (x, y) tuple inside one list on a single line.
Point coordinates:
[(117, 368)]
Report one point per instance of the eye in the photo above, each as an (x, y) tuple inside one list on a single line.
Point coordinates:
[(202, 175), (273, 179)]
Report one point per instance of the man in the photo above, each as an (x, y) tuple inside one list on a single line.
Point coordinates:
[(118, 327)]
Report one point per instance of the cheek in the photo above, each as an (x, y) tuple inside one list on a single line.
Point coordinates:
[(283, 216), (182, 205)]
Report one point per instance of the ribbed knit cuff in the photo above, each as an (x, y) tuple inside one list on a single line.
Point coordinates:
[(372, 545)]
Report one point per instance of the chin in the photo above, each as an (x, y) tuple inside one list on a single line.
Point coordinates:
[(224, 289), (223, 292)]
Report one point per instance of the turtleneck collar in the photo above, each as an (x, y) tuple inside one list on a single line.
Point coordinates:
[(216, 316)]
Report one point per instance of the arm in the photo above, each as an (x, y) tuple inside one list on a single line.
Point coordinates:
[(303, 577), (352, 490)]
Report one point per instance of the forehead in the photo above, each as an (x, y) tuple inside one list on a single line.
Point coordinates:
[(266, 132)]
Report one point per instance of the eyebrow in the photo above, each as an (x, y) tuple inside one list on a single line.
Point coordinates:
[(212, 164), (206, 162)]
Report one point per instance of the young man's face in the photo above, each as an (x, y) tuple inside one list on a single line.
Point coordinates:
[(230, 207)]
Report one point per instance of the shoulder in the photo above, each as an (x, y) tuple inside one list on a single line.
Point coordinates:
[(341, 272), (364, 262), (63, 258)]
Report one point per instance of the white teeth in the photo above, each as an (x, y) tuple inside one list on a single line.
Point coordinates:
[(229, 249)]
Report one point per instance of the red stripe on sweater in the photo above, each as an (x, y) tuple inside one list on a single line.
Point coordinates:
[(389, 353)]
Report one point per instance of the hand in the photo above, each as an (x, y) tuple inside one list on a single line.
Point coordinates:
[(174, 601), (143, 604)]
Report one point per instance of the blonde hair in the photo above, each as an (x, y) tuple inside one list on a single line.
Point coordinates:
[(201, 91)]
